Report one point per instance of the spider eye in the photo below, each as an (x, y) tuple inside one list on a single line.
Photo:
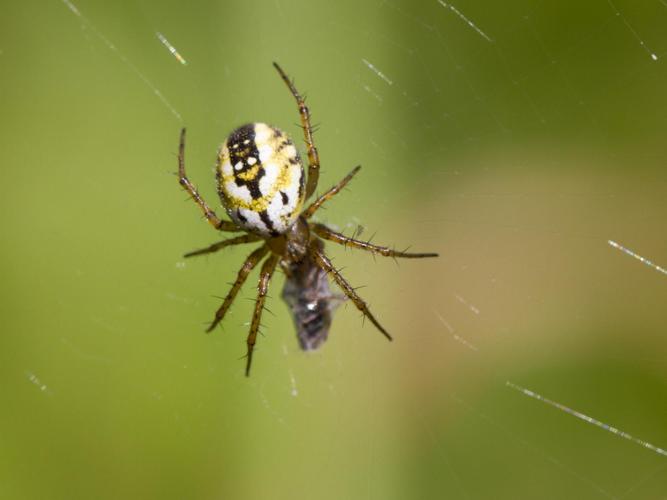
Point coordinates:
[(261, 179)]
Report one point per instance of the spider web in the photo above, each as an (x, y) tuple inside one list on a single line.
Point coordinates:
[(522, 140)]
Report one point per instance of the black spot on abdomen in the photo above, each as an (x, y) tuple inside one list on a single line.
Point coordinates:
[(252, 184), (241, 217), (264, 216)]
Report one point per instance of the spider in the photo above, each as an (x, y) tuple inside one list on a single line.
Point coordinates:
[(263, 186)]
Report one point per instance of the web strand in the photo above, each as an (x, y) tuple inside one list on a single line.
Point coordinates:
[(586, 418)]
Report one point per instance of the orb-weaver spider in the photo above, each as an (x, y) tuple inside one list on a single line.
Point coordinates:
[(262, 186)]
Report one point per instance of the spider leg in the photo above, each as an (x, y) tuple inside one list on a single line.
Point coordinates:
[(324, 232), (246, 238), (262, 287), (323, 262), (213, 219), (248, 266), (307, 213), (313, 156)]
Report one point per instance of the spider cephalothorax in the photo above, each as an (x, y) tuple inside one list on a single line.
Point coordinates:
[(262, 185)]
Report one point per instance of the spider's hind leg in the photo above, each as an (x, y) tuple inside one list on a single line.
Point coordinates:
[(211, 217), (323, 262), (334, 190), (304, 112)]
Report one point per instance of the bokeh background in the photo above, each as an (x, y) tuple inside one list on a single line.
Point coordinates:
[(516, 138)]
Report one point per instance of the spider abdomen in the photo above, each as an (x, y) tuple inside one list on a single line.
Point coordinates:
[(260, 179)]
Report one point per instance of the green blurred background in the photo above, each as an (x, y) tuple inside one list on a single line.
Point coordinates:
[(516, 145)]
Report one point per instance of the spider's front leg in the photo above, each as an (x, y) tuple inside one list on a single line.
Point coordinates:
[(238, 240), (329, 234), (248, 266), (265, 275), (211, 217), (323, 262)]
